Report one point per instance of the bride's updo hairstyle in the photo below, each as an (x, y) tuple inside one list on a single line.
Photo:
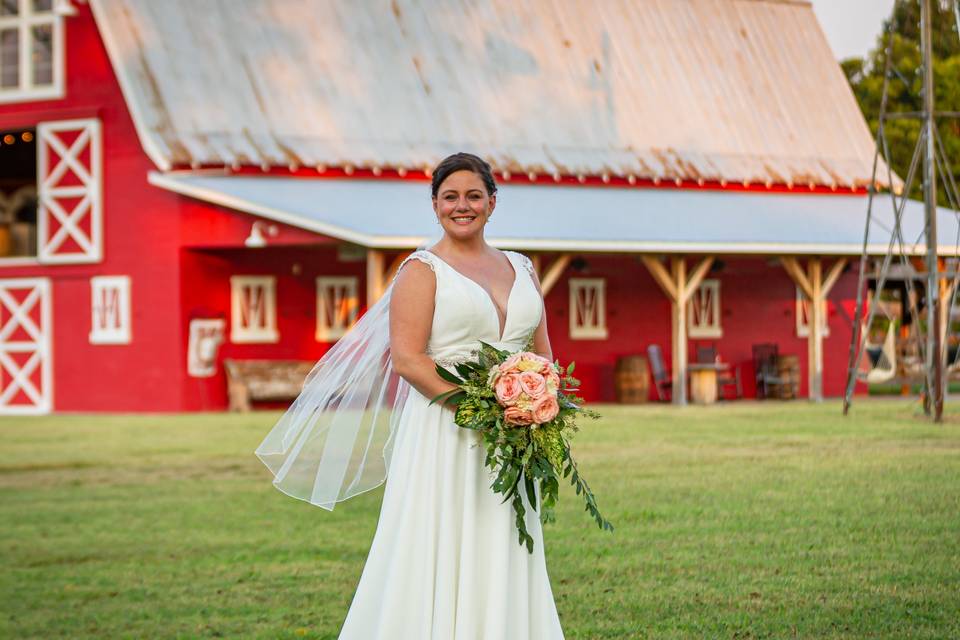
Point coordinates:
[(460, 162)]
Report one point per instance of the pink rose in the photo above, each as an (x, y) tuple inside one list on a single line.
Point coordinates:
[(510, 364), (516, 416), (533, 384), (508, 389), (545, 409)]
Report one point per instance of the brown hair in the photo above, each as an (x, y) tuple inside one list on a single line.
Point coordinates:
[(459, 162)]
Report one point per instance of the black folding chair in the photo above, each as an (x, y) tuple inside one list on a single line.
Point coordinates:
[(661, 377), (765, 366)]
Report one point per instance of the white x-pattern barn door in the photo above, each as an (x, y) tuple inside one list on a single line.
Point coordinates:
[(70, 209), (26, 366)]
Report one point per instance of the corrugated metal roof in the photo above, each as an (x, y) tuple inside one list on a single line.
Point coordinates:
[(695, 89), (397, 214)]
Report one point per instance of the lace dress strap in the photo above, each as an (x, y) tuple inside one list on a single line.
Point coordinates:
[(526, 262), (423, 256)]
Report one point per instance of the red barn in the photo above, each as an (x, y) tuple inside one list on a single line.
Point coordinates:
[(186, 182)]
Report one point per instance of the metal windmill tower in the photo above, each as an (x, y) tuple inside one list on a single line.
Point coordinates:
[(940, 287)]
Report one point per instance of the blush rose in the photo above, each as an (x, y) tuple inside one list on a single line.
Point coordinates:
[(533, 384), (508, 389), (545, 409), (517, 416)]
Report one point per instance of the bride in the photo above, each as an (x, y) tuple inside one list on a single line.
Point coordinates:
[(445, 562)]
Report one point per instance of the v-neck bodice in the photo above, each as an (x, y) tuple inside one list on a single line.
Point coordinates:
[(505, 311), (465, 312)]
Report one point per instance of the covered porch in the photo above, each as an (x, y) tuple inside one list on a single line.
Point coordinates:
[(627, 267)]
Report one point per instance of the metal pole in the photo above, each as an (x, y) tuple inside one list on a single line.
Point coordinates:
[(934, 347)]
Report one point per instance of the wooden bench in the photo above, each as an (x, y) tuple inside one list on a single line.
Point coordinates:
[(270, 380)]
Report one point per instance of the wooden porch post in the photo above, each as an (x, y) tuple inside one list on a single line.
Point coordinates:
[(678, 288), (374, 276), (552, 275), (377, 278), (815, 288)]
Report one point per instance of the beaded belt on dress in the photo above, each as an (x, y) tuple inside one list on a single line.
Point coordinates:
[(449, 361)]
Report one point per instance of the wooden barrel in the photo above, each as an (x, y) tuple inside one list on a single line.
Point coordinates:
[(788, 369), (631, 378)]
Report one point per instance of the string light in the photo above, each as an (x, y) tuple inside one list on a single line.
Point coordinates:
[(9, 139), (26, 136), (632, 179)]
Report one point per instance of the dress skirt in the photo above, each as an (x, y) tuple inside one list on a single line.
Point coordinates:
[(445, 562)]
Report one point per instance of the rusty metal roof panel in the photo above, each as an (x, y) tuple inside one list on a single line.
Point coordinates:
[(694, 89)]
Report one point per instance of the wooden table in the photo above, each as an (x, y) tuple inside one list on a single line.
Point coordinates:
[(703, 381)]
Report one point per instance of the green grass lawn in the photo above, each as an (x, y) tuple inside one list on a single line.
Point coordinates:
[(745, 520)]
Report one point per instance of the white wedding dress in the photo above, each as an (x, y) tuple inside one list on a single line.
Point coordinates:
[(445, 562)]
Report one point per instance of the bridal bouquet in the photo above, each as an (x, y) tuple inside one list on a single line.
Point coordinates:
[(525, 408)]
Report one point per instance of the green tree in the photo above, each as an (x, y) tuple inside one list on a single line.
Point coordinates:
[(906, 84)]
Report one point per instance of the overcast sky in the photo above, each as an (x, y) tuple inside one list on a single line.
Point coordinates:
[(852, 26)]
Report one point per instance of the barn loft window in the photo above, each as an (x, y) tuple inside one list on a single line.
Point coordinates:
[(253, 309), (588, 309), (110, 310), (18, 194), (703, 311), (337, 306), (803, 315), (31, 50)]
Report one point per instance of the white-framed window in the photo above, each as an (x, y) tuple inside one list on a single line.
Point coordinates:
[(69, 175), (337, 306), (110, 310), (803, 314), (253, 309), (703, 311), (206, 335), (31, 50), (588, 309)]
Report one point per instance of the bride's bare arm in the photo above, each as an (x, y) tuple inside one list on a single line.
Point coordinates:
[(541, 339), (411, 319)]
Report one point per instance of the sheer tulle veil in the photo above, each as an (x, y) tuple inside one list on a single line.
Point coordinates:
[(334, 441)]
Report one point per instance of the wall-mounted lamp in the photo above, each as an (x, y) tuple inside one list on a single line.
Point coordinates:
[(256, 239), (64, 8)]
